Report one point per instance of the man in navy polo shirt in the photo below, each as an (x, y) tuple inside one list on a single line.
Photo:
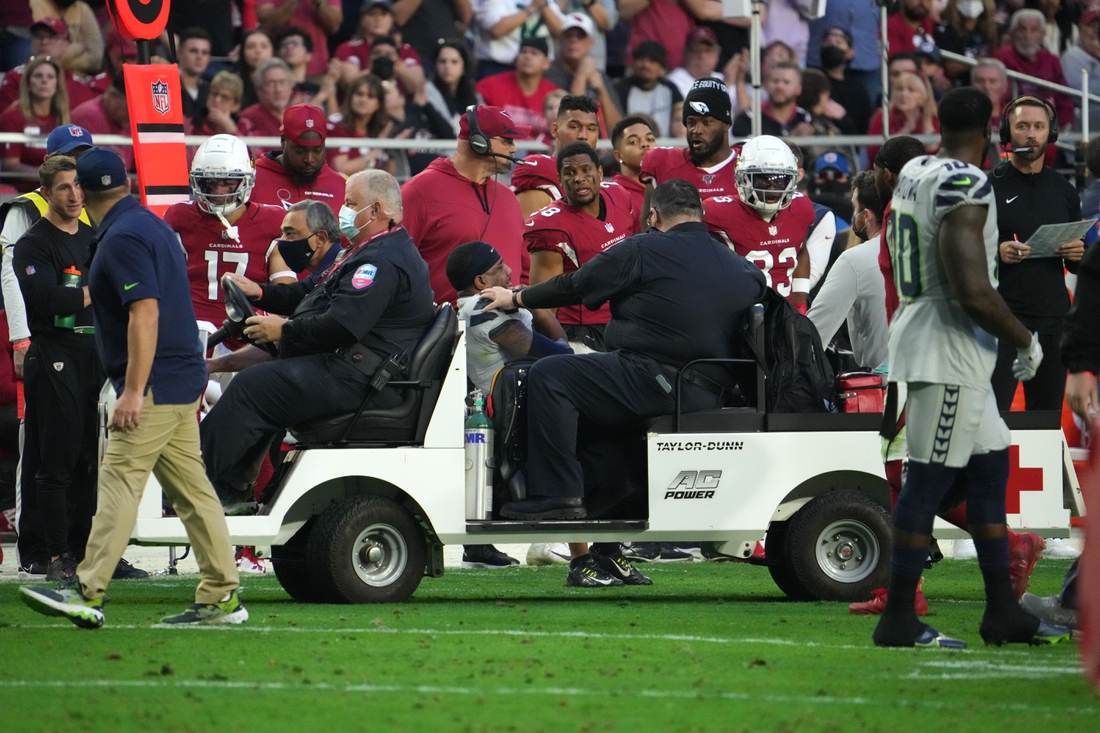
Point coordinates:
[(148, 341)]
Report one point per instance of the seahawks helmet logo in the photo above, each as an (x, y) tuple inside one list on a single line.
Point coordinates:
[(700, 107)]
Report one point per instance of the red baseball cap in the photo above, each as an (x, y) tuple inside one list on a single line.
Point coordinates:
[(299, 119), (702, 34), (494, 122), (54, 24), (1090, 16)]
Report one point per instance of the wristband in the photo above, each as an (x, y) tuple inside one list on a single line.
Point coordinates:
[(800, 285), (515, 301), (281, 273), (20, 344)]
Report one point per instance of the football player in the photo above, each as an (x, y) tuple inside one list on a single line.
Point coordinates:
[(765, 220), (592, 216), (708, 160), (536, 183), (221, 231), (632, 138)]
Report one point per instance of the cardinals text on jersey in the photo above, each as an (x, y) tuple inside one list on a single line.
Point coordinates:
[(664, 164), (578, 237), (773, 246)]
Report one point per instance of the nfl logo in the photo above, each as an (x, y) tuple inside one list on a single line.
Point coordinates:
[(76, 131), (161, 101), (773, 230), (707, 180), (105, 180), (609, 227), (309, 123)]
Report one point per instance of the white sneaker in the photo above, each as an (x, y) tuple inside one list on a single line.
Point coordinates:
[(965, 550), (1059, 549), (249, 564), (548, 554)]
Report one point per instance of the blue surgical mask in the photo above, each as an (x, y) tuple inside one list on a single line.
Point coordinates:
[(347, 221)]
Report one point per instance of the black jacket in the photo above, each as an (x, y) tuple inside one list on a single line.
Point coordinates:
[(1081, 340)]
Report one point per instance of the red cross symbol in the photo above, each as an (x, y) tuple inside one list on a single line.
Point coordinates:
[(1020, 479)]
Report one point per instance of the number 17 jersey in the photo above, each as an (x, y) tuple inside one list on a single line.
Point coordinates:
[(932, 338)]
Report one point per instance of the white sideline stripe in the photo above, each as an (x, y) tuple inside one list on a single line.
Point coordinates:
[(991, 671), (161, 137), (525, 691)]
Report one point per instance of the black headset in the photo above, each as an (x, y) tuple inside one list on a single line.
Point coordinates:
[(478, 142), (1006, 133)]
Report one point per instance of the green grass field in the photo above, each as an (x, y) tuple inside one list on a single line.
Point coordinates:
[(707, 648)]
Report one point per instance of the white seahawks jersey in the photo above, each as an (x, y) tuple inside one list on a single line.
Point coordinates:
[(932, 339)]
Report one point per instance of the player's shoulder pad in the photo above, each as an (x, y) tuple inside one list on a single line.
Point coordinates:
[(479, 315), (957, 181), (176, 212), (529, 177)]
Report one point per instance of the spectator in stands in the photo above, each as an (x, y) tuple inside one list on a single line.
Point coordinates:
[(294, 46), (780, 115), (520, 92), (213, 16), (194, 57), (319, 18), (274, 86), (120, 50), (386, 63), (375, 22), (414, 118), (1058, 20), (660, 20), (550, 113), (968, 28), (451, 88), (85, 53), (911, 27), (298, 170), (1025, 54), (912, 110), (646, 90), (698, 61), (424, 22), (901, 63), (604, 15), (845, 88), (830, 185), (15, 47), (785, 22), (43, 105), (829, 118), (853, 289), (931, 67), (1090, 197), (108, 115), (575, 72), (256, 47), (857, 21), (223, 104), (631, 139), (989, 76), (502, 24), (1085, 56), (49, 37), (362, 115)]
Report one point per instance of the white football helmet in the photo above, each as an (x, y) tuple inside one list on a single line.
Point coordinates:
[(222, 158), (766, 174)]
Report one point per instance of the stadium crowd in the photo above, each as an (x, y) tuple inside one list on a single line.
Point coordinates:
[(813, 219)]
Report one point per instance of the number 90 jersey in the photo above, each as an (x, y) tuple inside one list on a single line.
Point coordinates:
[(773, 246), (932, 339), (212, 252)]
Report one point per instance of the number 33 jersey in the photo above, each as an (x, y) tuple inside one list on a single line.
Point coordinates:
[(932, 339), (773, 246), (212, 252)]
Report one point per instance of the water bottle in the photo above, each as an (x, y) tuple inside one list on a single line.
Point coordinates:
[(70, 278), (479, 462)]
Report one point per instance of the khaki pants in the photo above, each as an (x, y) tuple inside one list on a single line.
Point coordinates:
[(167, 444)]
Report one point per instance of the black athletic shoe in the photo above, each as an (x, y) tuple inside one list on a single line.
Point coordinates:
[(485, 556), (126, 571), (642, 551), (584, 572), (615, 564), (34, 571), (63, 568)]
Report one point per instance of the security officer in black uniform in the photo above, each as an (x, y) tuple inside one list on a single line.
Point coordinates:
[(676, 295), (344, 322), (1029, 194)]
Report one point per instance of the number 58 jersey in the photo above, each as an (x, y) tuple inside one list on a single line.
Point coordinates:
[(213, 252), (932, 338)]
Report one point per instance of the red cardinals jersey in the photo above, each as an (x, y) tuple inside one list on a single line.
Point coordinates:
[(636, 191), (578, 237), (773, 246), (539, 172), (212, 252), (663, 164), (275, 186)]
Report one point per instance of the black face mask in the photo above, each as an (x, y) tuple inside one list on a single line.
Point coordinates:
[(296, 252), (832, 57)]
